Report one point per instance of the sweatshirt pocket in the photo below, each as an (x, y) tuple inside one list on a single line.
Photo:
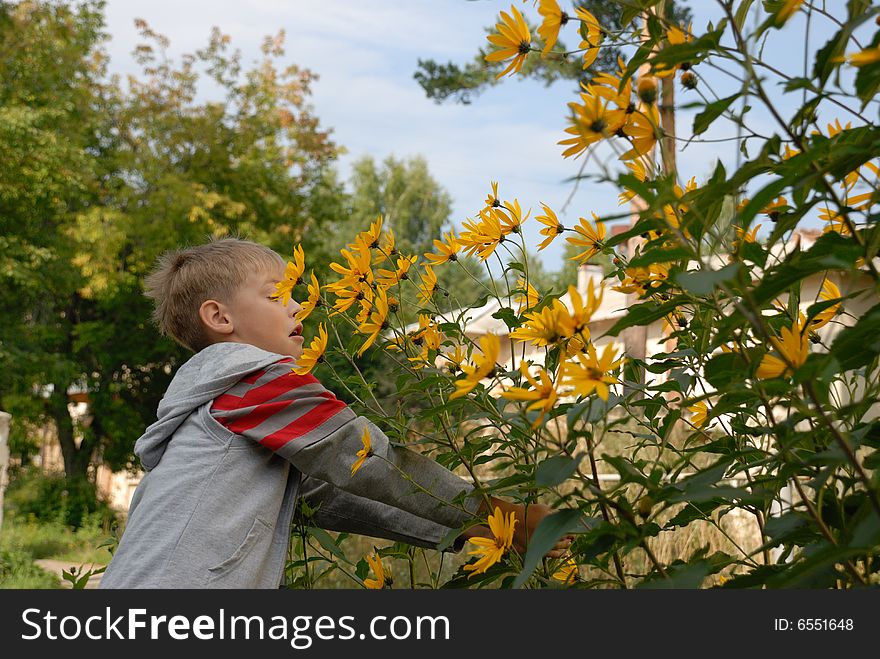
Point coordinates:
[(241, 567)]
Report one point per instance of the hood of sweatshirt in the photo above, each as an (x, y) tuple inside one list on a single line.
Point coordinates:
[(206, 375)]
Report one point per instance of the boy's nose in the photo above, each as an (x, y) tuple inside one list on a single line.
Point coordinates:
[(294, 307)]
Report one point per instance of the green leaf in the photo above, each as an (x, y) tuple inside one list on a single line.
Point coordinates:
[(693, 511), (713, 110), (509, 317), (723, 369), (703, 282), (629, 472), (549, 531), (827, 57), (694, 51), (686, 575), (652, 256), (868, 77), (856, 346), (643, 314), (742, 13), (328, 543), (556, 470), (831, 251)]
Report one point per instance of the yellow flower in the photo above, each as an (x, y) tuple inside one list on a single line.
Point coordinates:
[(346, 297), (774, 209), (481, 238), (642, 128), (646, 89), (794, 348), (388, 278), (544, 327), (543, 393), (552, 227), (386, 246), (510, 217), (581, 313), (364, 453), (292, 276), (835, 128), (864, 57), (636, 167), (591, 121), (358, 268), (369, 239), (588, 237), (428, 286), (376, 565), (490, 550), (567, 571), (835, 221), (591, 373), (850, 180), (610, 86), (829, 292), (554, 19), (676, 35), (313, 354), (639, 280), (493, 200), (594, 36), (377, 321), (313, 302), (860, 202), (484, 366), (428, 337), (744, 236), (789, 152), (513, 40), (454, 358), (530, 296), (698, 414), (787, 10), (446, 251)]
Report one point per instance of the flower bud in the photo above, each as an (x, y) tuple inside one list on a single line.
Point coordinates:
[(647, 89), (688, 79)]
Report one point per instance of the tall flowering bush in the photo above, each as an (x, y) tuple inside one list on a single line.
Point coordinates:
[(760, 403)]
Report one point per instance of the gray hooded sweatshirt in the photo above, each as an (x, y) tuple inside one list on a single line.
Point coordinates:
[(215, 506)]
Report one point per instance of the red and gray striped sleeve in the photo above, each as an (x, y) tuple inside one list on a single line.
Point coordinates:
[(275, 406), (297, 418)]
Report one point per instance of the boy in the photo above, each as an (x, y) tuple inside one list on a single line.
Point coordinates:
[(239, 437)]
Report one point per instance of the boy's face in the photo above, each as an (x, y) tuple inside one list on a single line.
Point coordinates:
[(263, 321)]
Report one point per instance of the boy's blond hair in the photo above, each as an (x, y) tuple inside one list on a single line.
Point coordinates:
[(184, 278)]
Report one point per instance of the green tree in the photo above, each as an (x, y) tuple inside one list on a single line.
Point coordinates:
[(99, 179), (408, 197)]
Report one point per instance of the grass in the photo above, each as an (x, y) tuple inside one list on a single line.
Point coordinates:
[(55, 540), (17, 571), (24, 540)]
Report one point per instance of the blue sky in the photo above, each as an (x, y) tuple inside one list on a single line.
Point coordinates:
[(366, 52)]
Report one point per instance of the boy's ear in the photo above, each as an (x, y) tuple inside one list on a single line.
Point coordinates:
[(216, 317)]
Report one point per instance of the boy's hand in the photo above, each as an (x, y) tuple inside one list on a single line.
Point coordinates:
[(528, 518)]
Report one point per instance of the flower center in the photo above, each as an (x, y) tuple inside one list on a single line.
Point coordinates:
[(594, 373), (598, 126)]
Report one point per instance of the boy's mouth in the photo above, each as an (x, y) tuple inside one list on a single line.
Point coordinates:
[(297, 331)]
